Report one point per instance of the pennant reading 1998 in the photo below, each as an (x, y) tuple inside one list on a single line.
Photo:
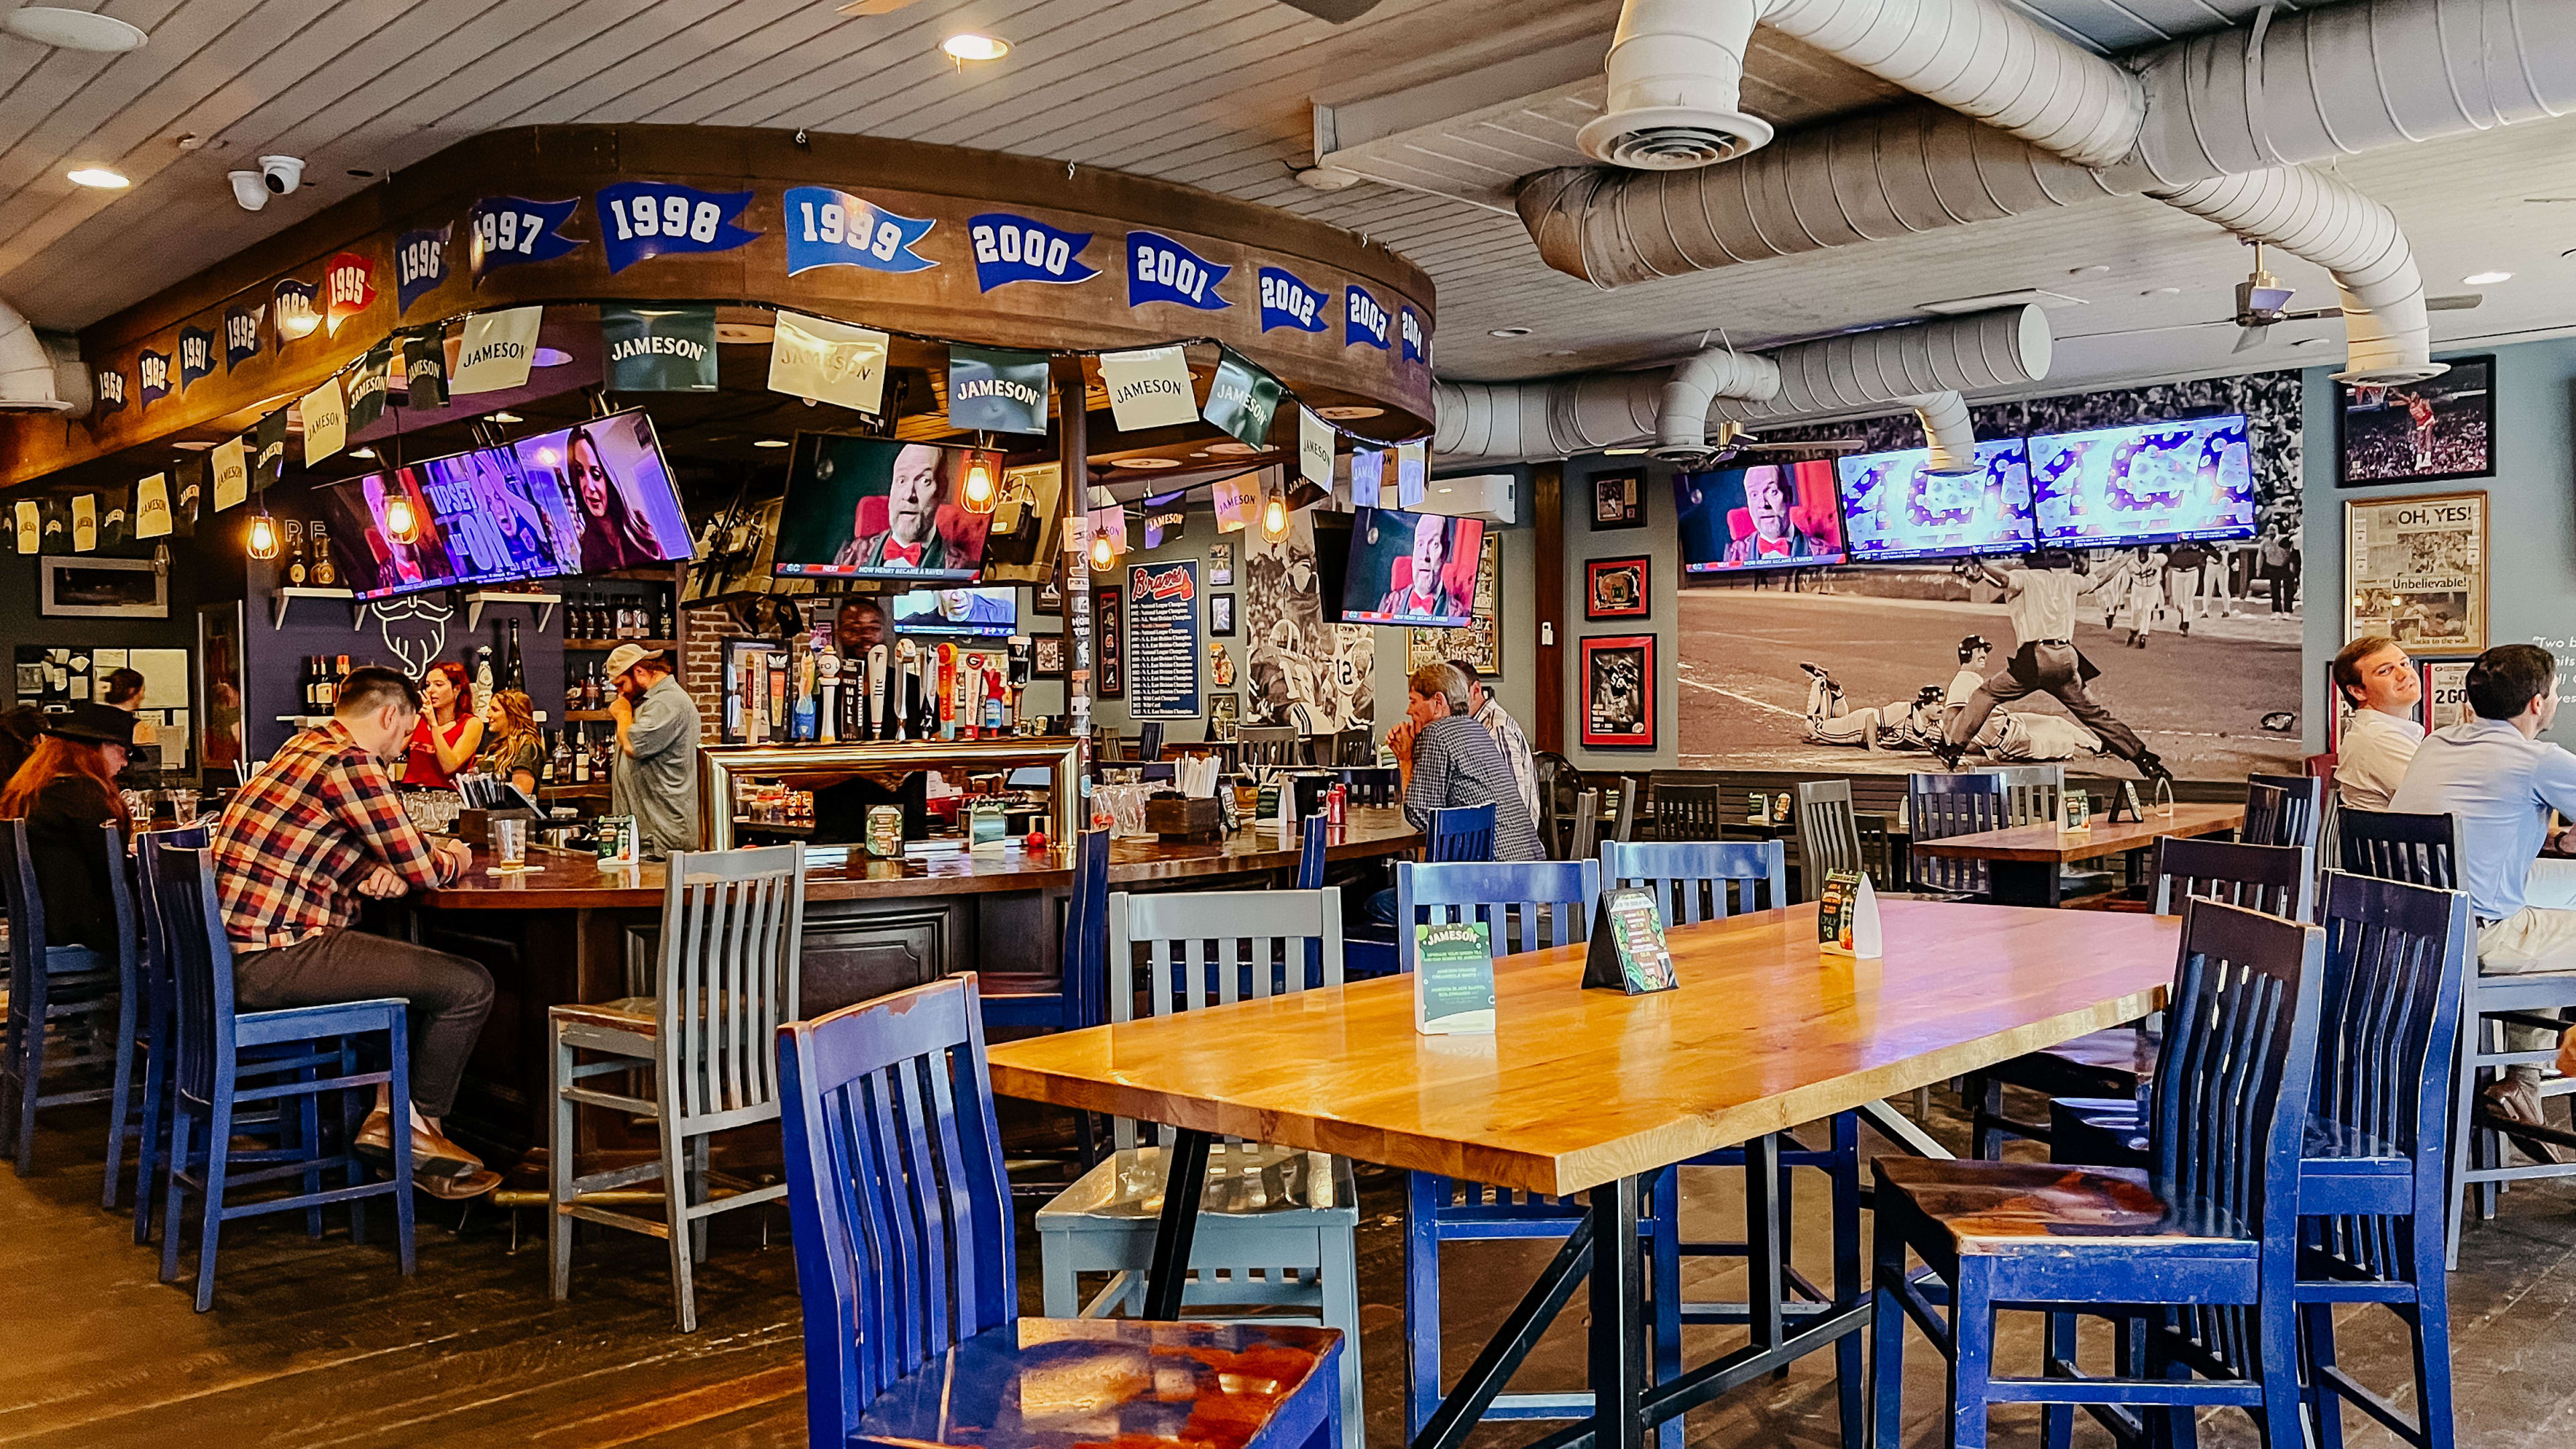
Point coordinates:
[(829, 362), (1149, 388), (640, 219), (499, 349)]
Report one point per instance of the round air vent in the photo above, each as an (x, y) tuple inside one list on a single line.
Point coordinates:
[(1671, 138)]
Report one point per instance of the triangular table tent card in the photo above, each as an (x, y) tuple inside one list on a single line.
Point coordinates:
[(1628, 951)]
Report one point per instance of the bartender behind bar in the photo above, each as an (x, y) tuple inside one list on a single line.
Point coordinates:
[(654, 777)]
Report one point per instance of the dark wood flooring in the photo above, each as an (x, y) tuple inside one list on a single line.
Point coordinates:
[(324, 1344)]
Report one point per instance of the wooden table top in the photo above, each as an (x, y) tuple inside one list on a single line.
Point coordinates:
[(1576, 1087), (2047, 842), (556, 881)]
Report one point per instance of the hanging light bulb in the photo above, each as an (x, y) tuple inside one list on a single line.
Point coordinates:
[(1274, 518), (979, 484), (1102, 555), (263, 536), (400, 520)]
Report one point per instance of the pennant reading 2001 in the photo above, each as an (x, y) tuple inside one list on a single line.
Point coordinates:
[(640, 219), (1011, 248), (1160, 269), (512, 231), (832, 228)]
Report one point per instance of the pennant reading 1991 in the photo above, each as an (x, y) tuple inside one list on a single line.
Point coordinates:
[(831, 228), (1241, 398), (498, 350), (512, 231), (1149, 388), (196, 355), (640, 219), (995, 391)]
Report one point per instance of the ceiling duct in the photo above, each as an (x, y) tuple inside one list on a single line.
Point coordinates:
[(27, 377), (1676, 87)]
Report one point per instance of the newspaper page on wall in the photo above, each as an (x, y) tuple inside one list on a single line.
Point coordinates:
[(1475, 643), (2415, 569)]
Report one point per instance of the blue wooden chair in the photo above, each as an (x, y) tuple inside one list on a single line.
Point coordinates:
[(160, 1031), (1692, 882), (2283, 810), (1460, 833), (214, 1072), (1528, 906), (1954, 804), (2372, 1166), (52, 990), (905, 1265), (2206, 1240)]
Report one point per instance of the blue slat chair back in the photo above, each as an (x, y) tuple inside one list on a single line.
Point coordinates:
[(1528, 905), (1943, 805), (160, 981), (1085, 954), (2293, 820), (1691, 879), (1461, 833), (895, 1185), (2278, 880), (201, 963), (1310, 855), (2031, 792), (1149, 741), (27, 934), (2420, 850)]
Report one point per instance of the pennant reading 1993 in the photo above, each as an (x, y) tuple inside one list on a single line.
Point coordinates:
[(831, 228)]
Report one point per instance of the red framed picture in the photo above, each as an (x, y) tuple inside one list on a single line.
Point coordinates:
[(1619, 692), (1615, 588)]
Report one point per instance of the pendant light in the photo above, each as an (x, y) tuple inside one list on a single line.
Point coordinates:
[(1102, 553), (263, 535), (401, 520), (1274, 518), (979, 490)]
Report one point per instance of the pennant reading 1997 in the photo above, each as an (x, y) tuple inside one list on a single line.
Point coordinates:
[(498, 350), (829, 362), (512, 231)]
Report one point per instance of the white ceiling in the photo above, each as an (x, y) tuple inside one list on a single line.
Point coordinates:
[(1215, 93)]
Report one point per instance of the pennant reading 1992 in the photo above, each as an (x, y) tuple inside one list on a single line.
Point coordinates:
[(152, 370), (640, 219), (512, 231), (831, 228), (241, 334), (498, 350)]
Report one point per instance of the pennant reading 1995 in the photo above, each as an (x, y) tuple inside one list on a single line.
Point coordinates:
[(640, 219), (348, 288), (831, 228)]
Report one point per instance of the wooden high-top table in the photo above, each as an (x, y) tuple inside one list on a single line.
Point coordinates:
[(1594, 1090), (2022, 863)]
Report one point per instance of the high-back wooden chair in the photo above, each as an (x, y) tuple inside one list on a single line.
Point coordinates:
[(1687, 812), (1265, 747), (2278, 880), (2418, 849), (54, 986), (1828, 831), (1461, 832), (2031, 792), (158, 1026), (1584, 838), (1942, 805), (1623, 820), (1149, 740), (1692, 879), (2282, 810)]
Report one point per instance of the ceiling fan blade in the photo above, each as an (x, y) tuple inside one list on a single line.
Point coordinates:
[(2458, 302), (2311, 314), (1337, 11), (2249, 339)]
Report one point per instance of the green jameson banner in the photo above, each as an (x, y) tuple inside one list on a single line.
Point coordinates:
[(1241, 398), (660, 349), (997, 392)]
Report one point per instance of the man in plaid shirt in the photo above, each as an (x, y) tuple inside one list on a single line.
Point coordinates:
[(307, 838)]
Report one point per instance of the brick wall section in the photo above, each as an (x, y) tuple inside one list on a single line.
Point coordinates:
[(707, 627)]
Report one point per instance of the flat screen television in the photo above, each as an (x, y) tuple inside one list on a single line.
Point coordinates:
[(991, 612), (1768, 516), (608, 493), (1411, 568), (2147, 483), (372, 561), (876, 508), (1895, 508), (489, 514)]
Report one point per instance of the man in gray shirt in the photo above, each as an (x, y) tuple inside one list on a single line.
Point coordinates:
[(2041, 598), (1449, 760), (655, 774)]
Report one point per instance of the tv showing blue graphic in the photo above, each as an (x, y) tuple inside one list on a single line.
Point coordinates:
[(2147, 483), (991, 612), (1894, 508)]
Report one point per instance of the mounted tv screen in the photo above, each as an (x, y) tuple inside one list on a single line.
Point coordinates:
[(490, 515), (2149, 483), (1411, 568), (980, 613), (875, 508), (1895, 508), (606, 487), (1769, 516), (372, 561)]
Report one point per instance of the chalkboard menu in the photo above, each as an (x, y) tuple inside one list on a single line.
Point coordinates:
[(1163, 640)]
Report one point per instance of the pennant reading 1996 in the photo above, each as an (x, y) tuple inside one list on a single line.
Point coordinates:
[(420, 264), (498, 350), (640, 219), (1149, 388), (831, 228)]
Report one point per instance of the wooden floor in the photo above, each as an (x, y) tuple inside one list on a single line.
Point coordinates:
[(315, 1344)]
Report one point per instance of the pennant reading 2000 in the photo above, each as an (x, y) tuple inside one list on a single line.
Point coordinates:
[(831, 228), (512, 231), (640, 219)]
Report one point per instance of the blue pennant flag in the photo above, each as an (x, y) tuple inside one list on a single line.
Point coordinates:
[(831, 228), (639, 219), (241, 334), (512, 231), (1416, 346), (420, 264), (111, 391), (1011, 248), (1160, 269), (196, 355), (1363, 320), (1288, 302), (292, 312), (154, 370)]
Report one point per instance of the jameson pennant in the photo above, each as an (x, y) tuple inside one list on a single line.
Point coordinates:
[(1368, 477), (1149, 388), (829, 362), (231, 460), (512, 231), (1241, 398), (115, 516), (1288, 302), (367, 386), (152, 370), (152, 507), (640, 219), (110, 384), (290, 304), (196, 355), (183, 509), (660, 349), (831, 228), (268, 463), (1314, 449), (326, 421), (84, 523), (1412, 473), (424, 372), (348, 288), (1160, 269), (1364, 322), (995, 391), (420, 264), (241, 334), (1012, 248), (27, 525), (499, 349)]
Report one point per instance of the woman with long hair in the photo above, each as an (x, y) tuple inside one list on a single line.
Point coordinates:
[(65, 791), (448, 734), (517, 750), (613, 534)]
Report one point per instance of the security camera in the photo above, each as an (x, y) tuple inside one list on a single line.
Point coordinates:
[(249, 190), (282, 174)]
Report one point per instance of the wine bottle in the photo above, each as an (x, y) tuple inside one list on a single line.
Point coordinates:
[(514, 674), (666, 624), (304, 684), (580, 758)]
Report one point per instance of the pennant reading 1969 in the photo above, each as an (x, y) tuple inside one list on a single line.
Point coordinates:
[(640, 219), (111, 390), (827, 227), (512, 231)]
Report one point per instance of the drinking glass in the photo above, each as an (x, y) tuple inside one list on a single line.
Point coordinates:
[(510, 844), (183, 806)]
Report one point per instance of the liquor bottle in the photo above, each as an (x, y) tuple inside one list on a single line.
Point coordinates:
[(808, 692), (666, 623), (514, 673), (296, 571), (326, 574), (580, 757), (572, 686), (483, 684), (318, 699), (590, 687), (304, 683)]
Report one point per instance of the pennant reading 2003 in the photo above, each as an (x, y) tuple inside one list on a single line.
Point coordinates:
[(1011, 248), (1363, 320), (831, 228), (512, 231), (640, 219)]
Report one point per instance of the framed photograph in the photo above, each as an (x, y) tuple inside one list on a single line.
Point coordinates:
[(1109, 643), (101, 588), (2446, 692), (1221, 615), (2442, 427), (221, 753), (1619, 692), (2415, 569), (1615, 588), (1046, 655), (1047, 597), (1619, 500), (1221, 564)]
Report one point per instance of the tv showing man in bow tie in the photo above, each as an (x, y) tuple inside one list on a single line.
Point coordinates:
[(876, 508), (1772, 515)]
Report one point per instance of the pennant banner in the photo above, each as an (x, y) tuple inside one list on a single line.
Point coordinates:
[(1368, 476), (829, 362), (152, 507), (1412, 473), (1237, 501), (1416, 344), (1241, 399), (241, 334), (196, 355), (420, 264), (424, 372), (499, 349), (831, 228), (269, 463), (1012, 248), (367, 386), (1149, 388), (290, 303), (110, 385), (1314, 449), (84, 523), (152, 370), (660, 349), (232, 473), (326, 421), (115, 517), (348, 288), (512, 231), (997, 392), (1288, 302), (1364, 322), (29, 526), (183, 509), (1160, 269), (640, 219)]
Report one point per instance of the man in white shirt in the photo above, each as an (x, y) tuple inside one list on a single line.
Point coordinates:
[(1489, 712), (2495, 776), (2378, 682), (2041, 599)]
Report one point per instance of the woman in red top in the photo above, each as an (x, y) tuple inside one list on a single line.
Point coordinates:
[(448, 734)]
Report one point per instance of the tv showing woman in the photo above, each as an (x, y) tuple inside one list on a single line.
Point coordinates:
[(614, 533)]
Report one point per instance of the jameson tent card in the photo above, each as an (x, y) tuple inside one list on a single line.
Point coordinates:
[(1628, 950), (1453, 978)]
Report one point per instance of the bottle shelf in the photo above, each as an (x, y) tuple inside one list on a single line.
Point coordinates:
[(587, 716), (543, 605), (602, 646)]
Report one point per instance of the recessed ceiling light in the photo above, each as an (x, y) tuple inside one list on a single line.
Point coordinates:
[(2485, 279), (73, 30), (505, 417), (362, 452), (970, 46), (1232, 450), (98, 176), (1145, 463), (552, 357), (1348, 414), (769, 442), (1509, 332)]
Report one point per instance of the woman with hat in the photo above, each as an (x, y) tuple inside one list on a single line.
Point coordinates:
[(65, 791)]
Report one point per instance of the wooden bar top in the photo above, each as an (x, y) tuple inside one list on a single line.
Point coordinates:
[(557, 881), (2047, 842), (1577, 1087)]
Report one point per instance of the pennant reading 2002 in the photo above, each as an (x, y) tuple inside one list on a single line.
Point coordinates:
[(1288, 302), (831, 228), (512, 231), (640, 219)]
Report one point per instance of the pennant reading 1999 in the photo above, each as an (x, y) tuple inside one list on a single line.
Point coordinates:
[(831, 228), (829, 362)]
